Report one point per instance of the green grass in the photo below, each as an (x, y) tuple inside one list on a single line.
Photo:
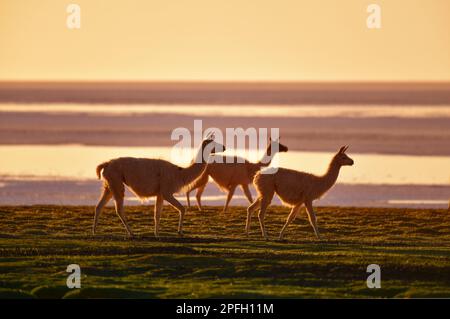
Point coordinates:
[(216, 260)]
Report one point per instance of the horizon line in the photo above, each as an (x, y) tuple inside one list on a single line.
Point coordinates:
[(200, 81)]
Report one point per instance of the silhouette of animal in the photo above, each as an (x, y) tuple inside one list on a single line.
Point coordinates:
[(150, 177), (294, 189), (230, 172)]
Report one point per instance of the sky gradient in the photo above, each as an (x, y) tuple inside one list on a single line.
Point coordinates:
[(233, 40)]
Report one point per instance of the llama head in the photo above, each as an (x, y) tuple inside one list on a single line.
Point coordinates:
[(276, 145), (210, 146), (342, 159)]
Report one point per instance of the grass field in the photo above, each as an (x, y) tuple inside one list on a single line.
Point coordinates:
[(215, 259)]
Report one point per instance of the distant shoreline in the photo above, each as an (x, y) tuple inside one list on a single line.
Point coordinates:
[(222, 93)]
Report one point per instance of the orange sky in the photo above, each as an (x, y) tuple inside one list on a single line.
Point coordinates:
[(269, 40)]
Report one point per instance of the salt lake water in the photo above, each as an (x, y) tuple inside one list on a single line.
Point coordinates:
[(65, 174)]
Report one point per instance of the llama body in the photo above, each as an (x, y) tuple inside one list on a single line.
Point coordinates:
[(295, 189), (147, 178), (229, 172)]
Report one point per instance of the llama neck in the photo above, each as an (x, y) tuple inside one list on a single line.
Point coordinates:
[(198, 158), (267, 157), (192, 172), (327, 180)]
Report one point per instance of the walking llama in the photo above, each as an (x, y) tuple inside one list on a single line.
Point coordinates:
[(294, 189), (150, 177), (228, 173)]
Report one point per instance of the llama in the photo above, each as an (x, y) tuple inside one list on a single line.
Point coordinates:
[(295, 189), (150, 177), (229, 173)]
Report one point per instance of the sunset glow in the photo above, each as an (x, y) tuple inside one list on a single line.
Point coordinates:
[(272, 40)]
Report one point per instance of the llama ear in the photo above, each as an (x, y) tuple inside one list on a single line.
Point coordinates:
[(345, 149), (210, 136), (342, 150)]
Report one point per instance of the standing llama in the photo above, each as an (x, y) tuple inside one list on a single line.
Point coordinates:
[(295, 189), (150, 177), (228, 173)]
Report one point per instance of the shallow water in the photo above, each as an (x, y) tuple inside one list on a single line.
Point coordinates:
[(65, 174), (79, 162)]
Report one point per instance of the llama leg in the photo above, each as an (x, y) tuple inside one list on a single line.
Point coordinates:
[(264, 204), (175, 203), (290, 218), (250, 210), (188, 199), (198, 196), (157, 214), (104, 199), (247, 193), (122, 217), (118, 191), (229, 197), (312, 218)]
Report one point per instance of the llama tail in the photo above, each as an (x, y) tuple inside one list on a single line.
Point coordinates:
[(99, 168), (264, 182), (257, 180)]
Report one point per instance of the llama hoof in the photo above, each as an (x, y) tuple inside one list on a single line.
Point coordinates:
[(180, 233)]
